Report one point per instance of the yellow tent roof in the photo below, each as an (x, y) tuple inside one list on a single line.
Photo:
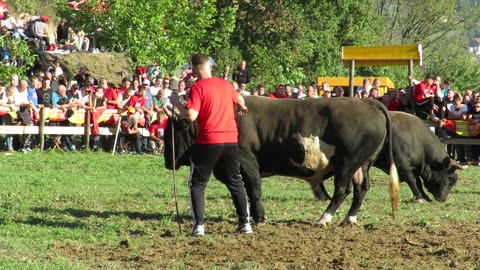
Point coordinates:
[(395, 55)]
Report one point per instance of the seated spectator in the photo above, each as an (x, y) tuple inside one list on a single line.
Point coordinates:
[(37, 28), (83, 41), (110, 94), (124, 86), (74, 94), (124, 99), (7, 99), (157, 129), (424, 99), (160, 102), (404, 104), (129, 131), (280, 92)]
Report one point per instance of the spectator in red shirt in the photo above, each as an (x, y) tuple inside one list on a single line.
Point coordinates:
[(280, 92), (424, 98), (211, 103), (109, 93), (157, 129)]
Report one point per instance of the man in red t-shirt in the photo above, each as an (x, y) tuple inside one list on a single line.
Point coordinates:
[(157, 129), (109, 93), (211, 102), (424, 98)]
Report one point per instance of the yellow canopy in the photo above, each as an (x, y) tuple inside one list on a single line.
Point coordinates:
[(395, 55)]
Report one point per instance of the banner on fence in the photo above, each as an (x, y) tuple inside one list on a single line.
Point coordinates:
[(468, 128)]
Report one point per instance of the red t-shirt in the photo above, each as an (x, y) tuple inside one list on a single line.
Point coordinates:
[(137, 102), (155, 128), (214, 98), (110, 95), (420, 90)]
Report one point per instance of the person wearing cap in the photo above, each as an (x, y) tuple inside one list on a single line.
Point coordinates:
[(211, 102), (129, 131), (294, 94), (327, 94)]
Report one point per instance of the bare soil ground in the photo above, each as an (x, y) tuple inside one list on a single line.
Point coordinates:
[(293, 245)]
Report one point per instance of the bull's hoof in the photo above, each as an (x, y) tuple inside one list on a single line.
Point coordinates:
[(325, 220), (349, 221)]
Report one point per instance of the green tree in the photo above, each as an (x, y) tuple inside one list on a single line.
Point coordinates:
[(20, 58), (166, 31)]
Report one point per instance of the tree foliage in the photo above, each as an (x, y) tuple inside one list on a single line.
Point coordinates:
[(166, 31)]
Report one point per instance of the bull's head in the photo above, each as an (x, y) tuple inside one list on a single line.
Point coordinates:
[(443, 178), (184, 134)]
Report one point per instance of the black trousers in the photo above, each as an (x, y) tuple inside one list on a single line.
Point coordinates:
[(224, 161)]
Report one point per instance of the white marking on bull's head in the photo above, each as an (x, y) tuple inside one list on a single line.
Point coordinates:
[(317, 156)]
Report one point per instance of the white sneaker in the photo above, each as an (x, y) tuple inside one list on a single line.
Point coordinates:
[(244, 228), (198, 230)]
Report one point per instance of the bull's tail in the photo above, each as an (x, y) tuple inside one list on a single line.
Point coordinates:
[(394, 182)]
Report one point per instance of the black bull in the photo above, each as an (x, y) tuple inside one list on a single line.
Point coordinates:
[(420, 158), (306, 139)]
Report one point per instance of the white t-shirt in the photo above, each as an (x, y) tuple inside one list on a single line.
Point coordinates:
[(452, 111)]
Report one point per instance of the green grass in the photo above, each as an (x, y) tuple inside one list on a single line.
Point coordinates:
[(88, 201)]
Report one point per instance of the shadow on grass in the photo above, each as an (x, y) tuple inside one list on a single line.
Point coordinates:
[(82, 213), (49, 223)]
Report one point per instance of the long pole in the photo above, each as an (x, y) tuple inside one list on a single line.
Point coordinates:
[(116, 133)]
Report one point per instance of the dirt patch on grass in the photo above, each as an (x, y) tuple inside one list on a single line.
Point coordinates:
[(293, 245)]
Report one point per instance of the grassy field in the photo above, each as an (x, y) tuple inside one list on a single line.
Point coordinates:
[(80, 210)]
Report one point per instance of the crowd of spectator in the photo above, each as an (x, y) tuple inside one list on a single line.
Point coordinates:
[(147, 96), (39, 31)]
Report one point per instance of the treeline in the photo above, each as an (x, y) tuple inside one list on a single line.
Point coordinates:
[(286, 41)]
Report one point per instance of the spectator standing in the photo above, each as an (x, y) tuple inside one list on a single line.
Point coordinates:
[(211, 102), (225, 73), (62, 31), (156, 86), (458, 111), (242, 73)]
